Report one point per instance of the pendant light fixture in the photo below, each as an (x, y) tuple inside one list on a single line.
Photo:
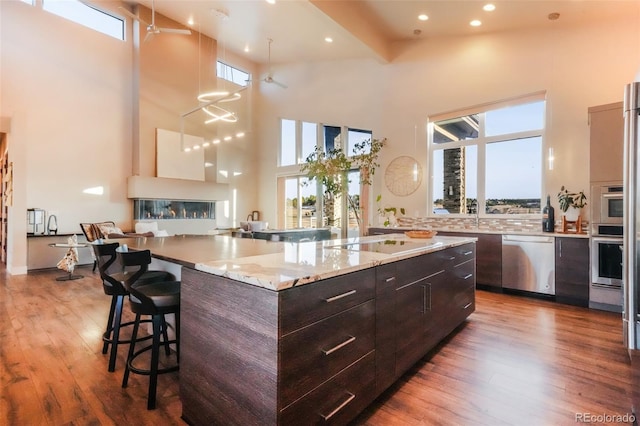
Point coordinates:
[(212, 98)]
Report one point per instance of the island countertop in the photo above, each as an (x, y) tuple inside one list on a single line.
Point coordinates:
[(281, 265)]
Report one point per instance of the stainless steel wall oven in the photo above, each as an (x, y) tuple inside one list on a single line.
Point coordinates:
[(607, 198), (606, 246), (606, 261)]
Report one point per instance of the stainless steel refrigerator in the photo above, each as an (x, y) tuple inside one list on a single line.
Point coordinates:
[(631, 241)]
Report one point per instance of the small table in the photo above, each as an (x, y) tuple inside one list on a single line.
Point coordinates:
[(68, 246)]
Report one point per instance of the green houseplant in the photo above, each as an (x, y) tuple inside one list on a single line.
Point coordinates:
[(568, 199), (331, 169), (390, 214)]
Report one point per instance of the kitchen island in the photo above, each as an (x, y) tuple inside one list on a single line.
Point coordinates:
[(303, 333)]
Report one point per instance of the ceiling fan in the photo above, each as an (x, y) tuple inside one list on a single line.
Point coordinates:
[(269, 77), (152, 29)]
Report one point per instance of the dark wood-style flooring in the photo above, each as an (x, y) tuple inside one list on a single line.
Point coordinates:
[(517, 361)]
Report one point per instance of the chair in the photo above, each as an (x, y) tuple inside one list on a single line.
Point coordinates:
[(92, 232), (112, 274), (157, 300)]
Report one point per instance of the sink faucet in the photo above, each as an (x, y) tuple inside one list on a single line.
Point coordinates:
[(52, 227)]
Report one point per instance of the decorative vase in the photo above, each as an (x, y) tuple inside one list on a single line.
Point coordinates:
[(572, 214)]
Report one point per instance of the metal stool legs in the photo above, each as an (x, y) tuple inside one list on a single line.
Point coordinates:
[(159, 336)]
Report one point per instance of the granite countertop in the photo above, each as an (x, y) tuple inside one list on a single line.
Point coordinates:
[(281, 265)]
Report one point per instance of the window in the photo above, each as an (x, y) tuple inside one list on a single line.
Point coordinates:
[(488, 161), (301, 207), (287, 142), (300, 203), (83, 14), (232, 74), (355, 136)]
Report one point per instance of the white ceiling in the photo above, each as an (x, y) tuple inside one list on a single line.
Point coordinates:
[(367, 28)]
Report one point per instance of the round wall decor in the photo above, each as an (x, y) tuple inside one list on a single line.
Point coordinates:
[(403, 176)]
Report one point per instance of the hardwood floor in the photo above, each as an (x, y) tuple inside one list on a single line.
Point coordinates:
[(517, 361)]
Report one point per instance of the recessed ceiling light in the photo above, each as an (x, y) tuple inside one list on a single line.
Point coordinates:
[(475, 23), (489, 7), (423, 17), (328, 39), (246, 48), (208, 164), (216, 141), (239, 134), (227, 138), (271, 1), (190, 22), (206, 144)]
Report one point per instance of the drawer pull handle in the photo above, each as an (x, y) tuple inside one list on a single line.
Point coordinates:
[(341, 345), (388, 280), (468, 276), (467, 253), (340, 296), (350, 398), (467, 305)]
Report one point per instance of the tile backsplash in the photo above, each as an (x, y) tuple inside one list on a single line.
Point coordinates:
[(495, 225)]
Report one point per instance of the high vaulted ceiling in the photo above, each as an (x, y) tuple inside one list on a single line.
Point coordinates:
[(367, 28)]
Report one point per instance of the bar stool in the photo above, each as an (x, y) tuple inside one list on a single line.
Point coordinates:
[(157, 300), (112, 274)]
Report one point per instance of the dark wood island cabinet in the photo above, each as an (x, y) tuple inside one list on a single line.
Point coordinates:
[(319, 352)]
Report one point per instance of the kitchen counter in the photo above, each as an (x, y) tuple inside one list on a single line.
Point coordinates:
[(278, 266), (346, 320)]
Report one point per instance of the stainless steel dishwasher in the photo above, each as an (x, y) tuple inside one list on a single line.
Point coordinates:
[(528, 263)]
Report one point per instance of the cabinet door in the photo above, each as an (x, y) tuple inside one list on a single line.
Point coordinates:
[(413, 314), (572, 271), (386, 282), (606, 134)]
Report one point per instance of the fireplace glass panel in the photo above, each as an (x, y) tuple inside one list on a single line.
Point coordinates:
[(173, 209)]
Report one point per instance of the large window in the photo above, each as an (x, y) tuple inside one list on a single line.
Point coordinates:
[(301, 206), (89, 16), (488, 161)]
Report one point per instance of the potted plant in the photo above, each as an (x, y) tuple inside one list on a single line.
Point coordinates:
[(331, 169), (571, 203), (388, 215)]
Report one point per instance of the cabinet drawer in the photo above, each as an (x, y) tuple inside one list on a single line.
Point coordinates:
[(309, 303), (462, 253), (465, 273), (337, 401), (315, 353)]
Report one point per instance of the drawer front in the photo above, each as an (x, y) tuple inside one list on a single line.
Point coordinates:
[(314, 354), (464, 274), (339, 400), (309, 303), (463, 253)]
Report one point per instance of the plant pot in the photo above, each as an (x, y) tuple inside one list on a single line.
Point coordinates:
[(572, 214)]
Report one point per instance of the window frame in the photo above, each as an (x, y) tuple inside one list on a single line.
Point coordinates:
[(481, 142)]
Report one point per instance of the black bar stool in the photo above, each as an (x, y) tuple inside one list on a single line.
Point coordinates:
[(155, 299), (112, 274)]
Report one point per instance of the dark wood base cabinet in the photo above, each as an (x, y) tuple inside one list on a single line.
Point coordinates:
[(572, 271), (319, 353)]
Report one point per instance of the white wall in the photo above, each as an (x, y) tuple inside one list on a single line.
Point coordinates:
[(70, 95), (67, 91), (578, 67)]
